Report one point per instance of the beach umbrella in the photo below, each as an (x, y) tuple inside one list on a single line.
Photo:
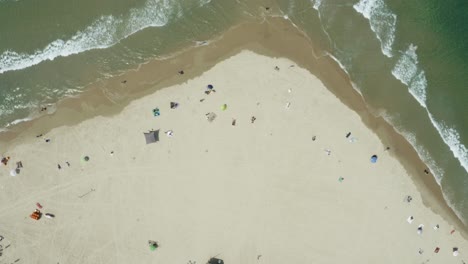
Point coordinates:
[(373, 159), (210, 86), (224, 107)]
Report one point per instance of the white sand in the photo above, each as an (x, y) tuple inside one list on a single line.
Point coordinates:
[(214, 189)]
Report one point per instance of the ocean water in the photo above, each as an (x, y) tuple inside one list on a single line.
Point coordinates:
[(408, 59)]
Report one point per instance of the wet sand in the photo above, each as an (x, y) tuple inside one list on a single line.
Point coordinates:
[(289, 180), (91, 125), (275, 37)]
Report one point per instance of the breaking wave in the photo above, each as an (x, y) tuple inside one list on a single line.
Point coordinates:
[(382, 22), (452, 138), (316, 4), (102, 33), (422, 152), (407, 71)]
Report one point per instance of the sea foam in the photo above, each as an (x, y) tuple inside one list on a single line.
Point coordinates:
[(316, 4), (408, 72), (422, 152), (102, 33), (382, 22), (452, 139), (204, 2)]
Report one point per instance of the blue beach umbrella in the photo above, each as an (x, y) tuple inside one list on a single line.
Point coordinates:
[(373, 159), (210, 86)]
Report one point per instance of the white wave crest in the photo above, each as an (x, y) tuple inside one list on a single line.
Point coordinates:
[(422, 152), (17, 121), (291, 7), (102, 33), (424, 155), (382, 21), (452, 139), (407, 71), (407, 66), (418, 87), (316, 4), (204, 2)]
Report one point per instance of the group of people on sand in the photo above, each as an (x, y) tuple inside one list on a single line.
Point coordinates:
[(211, 116), (420, 228)]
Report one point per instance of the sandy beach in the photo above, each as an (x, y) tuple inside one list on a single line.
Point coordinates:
[(290, 185)]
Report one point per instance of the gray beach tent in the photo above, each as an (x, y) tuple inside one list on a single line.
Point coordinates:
[(152, 136)]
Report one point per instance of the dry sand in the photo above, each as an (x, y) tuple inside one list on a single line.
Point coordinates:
[(261, 192)]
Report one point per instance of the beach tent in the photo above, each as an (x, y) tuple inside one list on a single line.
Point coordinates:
[(152, 136), (215, 261)]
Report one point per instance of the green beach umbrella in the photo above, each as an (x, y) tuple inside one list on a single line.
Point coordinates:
[(224, 107)]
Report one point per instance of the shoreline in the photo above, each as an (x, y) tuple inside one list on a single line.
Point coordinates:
[(274, 38)]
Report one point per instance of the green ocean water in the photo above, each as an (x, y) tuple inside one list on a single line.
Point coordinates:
[(407, 58)]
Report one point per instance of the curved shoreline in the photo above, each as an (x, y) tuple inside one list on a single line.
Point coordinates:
[(275, 37)]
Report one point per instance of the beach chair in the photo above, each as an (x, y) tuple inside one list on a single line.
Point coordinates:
[(36, 215)]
